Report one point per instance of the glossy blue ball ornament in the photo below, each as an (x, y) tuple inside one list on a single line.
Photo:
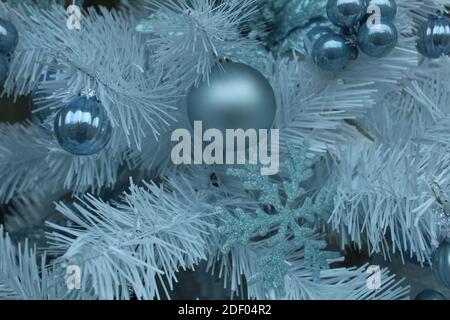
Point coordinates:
[(434, 37), (4, 69), (331, 52), (82, 127), (430, 295), (387, 8), (313, 35), (346, 13), (236, 96), (441, 263), (379, 40), (9, 37)]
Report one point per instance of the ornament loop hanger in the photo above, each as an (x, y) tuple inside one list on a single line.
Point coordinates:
[(88, 92)]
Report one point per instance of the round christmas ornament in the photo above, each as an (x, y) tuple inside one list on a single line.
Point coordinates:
[(236, 97), (387, 9), (4, 68), (331, 52), (378, 40), (313, 35), (9, 37), (346, 13), (82, 127), (430, 295), (441, 263), (434, 36)]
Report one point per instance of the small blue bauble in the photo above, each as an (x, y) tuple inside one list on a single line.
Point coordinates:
[(331, 52), (313, 35), (9, 37), (379, 40), (237, 96), (388, 8), (434, 37), (430, 295), (4, 69), (346, 13), (441, 263), (82, 127)]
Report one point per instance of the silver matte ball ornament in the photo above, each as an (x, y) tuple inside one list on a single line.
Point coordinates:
[(441, 263), (378, 40), (236, 97), (434, 37), (346, 13), (82, 127), (331, 52)]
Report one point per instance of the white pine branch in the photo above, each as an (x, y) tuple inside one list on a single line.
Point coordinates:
[(313, 109), (106, 55), (30, 158), (384, 198), (188, 38), (21, 275), (141, 242), (333, 284)]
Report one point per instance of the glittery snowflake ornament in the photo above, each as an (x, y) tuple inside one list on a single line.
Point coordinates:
[(285, 221)]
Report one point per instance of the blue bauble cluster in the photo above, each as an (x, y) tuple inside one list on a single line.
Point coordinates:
[(9, 38), (434, 36), (365, 24), (82, 126)]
